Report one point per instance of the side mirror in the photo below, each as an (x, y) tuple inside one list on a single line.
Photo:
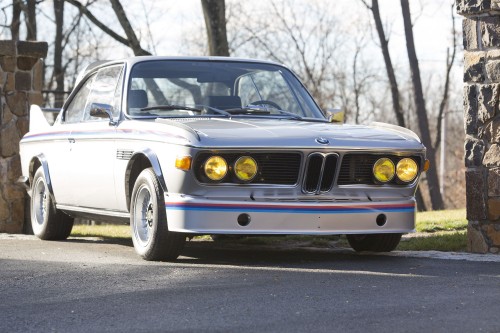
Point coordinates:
[(335, 115), (99, 110)]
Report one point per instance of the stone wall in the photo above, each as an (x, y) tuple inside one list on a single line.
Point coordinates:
[(20, 85), (481, 37)]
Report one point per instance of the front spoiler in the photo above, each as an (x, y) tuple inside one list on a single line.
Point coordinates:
[(202, 216)]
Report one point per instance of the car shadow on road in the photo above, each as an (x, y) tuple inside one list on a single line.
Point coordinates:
[(101, 240)]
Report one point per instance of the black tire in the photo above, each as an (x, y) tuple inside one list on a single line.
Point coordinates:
[(148, 221), (47, 221), (374, 242)]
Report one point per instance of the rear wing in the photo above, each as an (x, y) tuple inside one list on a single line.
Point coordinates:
[(41, 119)]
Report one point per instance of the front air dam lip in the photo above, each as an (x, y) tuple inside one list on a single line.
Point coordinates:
[(197, 215)]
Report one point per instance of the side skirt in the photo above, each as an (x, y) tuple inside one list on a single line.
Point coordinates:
[(100, 215)]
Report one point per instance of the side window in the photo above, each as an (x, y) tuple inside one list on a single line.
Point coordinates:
[(74, 112), (105, 90)]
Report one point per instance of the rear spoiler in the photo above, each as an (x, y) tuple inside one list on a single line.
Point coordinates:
[(38, 121)]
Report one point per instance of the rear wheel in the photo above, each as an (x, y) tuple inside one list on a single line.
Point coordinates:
[(148, 221), (47, 221), (374, 242)]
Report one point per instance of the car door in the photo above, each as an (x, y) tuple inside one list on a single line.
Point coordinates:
[(92, 152), (58, 156)]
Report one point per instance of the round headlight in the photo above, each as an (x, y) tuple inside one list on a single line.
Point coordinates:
[(383, 170), (215, 168), (407, 170), (245, 168)]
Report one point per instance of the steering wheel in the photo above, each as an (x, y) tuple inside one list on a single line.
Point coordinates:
[(266, 102)]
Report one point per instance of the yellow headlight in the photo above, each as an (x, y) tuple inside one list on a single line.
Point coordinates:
[(383, 170), (245, 168), (215, 168), (407, 170)]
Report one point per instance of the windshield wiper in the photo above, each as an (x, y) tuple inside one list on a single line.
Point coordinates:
[(183, 107), (261, 111), (171, 107)]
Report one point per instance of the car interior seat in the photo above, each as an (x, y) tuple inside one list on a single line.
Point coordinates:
[(137, 99), (224, 102)]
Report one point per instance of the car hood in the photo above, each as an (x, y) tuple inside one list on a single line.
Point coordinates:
[(237, 132)]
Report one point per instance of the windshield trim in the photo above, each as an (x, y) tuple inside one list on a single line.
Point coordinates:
[(222, 116), (128, 81)]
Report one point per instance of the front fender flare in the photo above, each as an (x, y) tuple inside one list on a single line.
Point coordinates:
[(150, 156)]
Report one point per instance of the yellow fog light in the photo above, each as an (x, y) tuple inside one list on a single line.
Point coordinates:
[(215, 168), (245, 168), (183, 162), (383, 170), (407, 170)]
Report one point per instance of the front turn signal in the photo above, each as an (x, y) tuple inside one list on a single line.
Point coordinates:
[(427, 165), (183, 163)]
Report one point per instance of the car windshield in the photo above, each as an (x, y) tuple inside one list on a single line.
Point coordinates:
[(181, 88)]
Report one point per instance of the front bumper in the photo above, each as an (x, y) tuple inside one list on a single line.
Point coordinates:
[(202, 216)]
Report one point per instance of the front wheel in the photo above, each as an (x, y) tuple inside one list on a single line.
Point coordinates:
[(148, 221), (47, 221), (374, 242)]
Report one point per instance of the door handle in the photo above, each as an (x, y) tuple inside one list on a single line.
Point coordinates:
[(71, 140)]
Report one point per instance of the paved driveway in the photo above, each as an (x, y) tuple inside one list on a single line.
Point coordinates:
[(84, 285)]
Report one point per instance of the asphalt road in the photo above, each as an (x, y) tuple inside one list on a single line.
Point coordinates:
[(83, 285)]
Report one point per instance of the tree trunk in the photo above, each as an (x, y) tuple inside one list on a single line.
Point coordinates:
[(16, 19), (58, 50), (423, 123), (214, 12), (384, 45), (31, 20)]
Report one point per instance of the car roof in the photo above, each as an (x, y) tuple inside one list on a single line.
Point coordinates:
[(137, 59)]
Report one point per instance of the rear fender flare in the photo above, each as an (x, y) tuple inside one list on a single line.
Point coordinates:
[(35, 163)]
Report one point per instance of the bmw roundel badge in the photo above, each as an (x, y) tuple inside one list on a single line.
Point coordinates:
[(322, 141)]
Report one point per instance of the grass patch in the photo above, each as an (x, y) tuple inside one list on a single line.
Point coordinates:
[(443, 220), (439, 241), (102, 230)]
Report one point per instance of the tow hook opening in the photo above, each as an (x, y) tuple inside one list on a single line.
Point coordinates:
[(244, 219), (381, 220)]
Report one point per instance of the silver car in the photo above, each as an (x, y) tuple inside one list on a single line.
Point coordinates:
[(183, 146)]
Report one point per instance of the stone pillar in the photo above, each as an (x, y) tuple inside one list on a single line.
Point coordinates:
[(481, 37), (20, 85)]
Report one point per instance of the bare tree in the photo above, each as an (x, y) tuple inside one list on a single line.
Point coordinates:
[(423, 123), (384, 46), (393, 83), (30, 14), (450, 59), (58, 50), (214, 12), (16, 19)]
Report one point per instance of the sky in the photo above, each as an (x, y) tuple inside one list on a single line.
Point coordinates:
[(173, 23), (432, 28)]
